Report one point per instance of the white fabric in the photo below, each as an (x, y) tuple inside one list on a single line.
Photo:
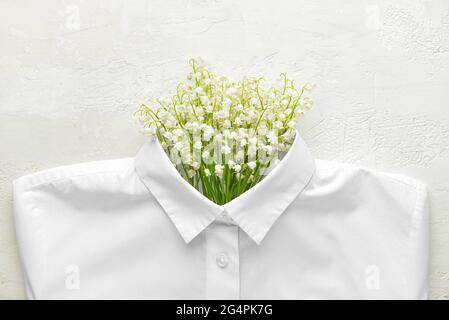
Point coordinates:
[(134, 229)]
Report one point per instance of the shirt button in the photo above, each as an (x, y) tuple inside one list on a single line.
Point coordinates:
[(222, 260), (225, 216)]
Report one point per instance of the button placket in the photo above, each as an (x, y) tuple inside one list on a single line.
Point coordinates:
[(222, 262)]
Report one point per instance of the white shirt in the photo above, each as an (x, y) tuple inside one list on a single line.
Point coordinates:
[(134, 229)]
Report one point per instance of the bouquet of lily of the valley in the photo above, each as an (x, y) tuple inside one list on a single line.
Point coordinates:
[(225, 136)]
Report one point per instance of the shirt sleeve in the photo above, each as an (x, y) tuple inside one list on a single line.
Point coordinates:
[(23, 213), (419, 250), (414, 233), (41, 204)]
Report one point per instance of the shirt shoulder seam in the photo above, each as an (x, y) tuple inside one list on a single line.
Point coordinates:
[(394, 177), (51, 175)]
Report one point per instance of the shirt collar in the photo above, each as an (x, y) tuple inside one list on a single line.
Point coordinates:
[(255, 211)]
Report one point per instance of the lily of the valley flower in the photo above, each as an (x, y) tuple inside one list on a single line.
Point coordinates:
[(223, 136)]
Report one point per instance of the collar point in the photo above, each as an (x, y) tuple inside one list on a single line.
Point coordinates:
[(257, 238)]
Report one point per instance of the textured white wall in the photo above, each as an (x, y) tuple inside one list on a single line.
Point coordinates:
[(71, 72)]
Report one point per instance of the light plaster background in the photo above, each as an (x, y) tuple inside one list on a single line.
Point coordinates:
[(71, 73)]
